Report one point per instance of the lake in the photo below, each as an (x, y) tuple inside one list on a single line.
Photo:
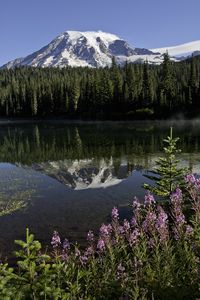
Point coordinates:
[(67, 176)]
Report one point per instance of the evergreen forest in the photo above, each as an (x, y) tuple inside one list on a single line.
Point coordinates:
[(132, 91)]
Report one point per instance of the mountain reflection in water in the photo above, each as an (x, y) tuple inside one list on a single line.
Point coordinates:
[(75, 173)]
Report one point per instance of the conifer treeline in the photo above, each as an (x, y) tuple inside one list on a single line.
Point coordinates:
[(129, 92)]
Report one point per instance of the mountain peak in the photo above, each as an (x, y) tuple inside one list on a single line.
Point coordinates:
[(96, 49), (91, 34)]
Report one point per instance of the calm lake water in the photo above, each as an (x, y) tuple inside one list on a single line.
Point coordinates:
[(67, 176)]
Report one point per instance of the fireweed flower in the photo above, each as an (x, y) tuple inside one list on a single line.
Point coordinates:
[(55, 241), (192, 181), (89, 251), (121, 230), (178, 216), (149, 200), (162, 225), (176, 197), (180, 219), (83, 259), (136, 205), (126, 226), (133, 222), (101, 245), (64, 256), (133, 238), (105, 230), (90, 236), (115, 214), (194, 191), (66, 245), (148, 224)]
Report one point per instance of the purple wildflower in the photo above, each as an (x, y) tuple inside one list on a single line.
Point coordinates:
[(148, 224), (133, 238), (162, 225), (120, 230), (193, 189), (126, 226), (83, 259), (90, 236), (89, 251), (55, 241), (66, 244), (190, 179), (136, 204), (115, 214), (101, 245), (133, 222), (176, 197), (105, 230), (149, 199), (180, 219), (178, 216), (64, 256)]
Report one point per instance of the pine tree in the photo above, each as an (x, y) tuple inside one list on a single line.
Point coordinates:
[(167, 83), (193, 84), (147, 85), (168, 176)]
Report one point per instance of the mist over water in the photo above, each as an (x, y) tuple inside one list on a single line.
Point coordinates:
[(67, 176)]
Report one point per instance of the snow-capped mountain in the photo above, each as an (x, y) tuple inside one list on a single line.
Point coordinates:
[(96, 49), (74, 48), (181, 51)]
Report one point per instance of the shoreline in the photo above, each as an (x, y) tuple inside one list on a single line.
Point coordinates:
[(7, 121)]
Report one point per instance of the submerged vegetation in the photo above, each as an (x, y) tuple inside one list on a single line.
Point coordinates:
[(14, 202), (134, 91)]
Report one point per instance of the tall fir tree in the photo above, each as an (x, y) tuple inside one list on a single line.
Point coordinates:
[(167, 174), (167, 83)]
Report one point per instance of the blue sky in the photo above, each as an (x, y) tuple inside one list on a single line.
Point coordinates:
[(26, 26)]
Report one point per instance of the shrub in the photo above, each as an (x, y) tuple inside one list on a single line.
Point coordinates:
[(141, 114)]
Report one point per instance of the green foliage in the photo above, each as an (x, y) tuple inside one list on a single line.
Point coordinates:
[(168, 175), (142, 113), (167, 83)]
